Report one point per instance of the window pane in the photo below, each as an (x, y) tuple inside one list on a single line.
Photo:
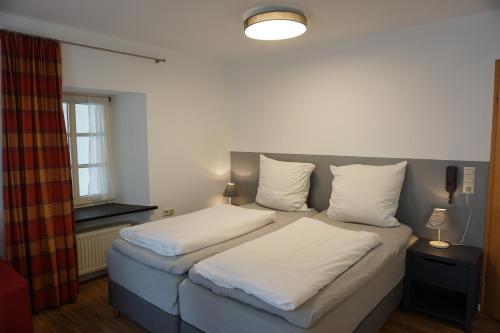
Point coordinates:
[(66, 115), (83, 177), (97, 175), (86, 187), (82, 118), (83, 149)]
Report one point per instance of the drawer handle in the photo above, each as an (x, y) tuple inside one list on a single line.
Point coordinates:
[(440, 262)]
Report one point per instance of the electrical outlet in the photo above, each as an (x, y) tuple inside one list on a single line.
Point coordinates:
[(168, 212), (469, 182)]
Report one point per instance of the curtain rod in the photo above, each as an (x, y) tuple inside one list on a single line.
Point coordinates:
[(156, 60)]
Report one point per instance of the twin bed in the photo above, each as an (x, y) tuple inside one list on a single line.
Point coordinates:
[(166, 294)]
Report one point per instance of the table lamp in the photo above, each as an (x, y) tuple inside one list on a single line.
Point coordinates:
[(439, 221), (230, 191)]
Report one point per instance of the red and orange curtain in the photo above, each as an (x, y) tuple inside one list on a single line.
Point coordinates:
[(37, 189)]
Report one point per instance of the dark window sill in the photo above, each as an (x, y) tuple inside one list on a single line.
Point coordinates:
[(91, 213)]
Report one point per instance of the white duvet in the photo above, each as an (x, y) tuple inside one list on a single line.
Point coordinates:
[(287, 267), (194, 231)]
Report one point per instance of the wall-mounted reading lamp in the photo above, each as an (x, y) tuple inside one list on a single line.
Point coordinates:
[(451, 181)]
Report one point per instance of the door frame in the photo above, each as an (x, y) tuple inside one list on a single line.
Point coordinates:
[(495, 132)]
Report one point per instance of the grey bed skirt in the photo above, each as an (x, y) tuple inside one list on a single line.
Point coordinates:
[(372, 323), (156, 320), (147, 315)]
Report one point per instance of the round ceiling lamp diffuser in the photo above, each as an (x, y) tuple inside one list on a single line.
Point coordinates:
[(275, 25)]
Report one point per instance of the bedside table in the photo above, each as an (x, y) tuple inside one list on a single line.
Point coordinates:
[(443, 282)]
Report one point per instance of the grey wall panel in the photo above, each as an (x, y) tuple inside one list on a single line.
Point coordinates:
[(423, 189)]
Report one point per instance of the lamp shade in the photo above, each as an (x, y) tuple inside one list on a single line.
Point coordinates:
[(230, 191), (438, 219)]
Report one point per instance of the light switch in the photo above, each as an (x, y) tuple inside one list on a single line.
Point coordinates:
[(469, 182)]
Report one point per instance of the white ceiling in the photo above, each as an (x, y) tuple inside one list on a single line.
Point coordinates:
[(214, 27)]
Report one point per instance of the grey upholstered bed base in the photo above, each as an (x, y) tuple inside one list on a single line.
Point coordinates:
[(156, 320), (142, 312), (372, 323)]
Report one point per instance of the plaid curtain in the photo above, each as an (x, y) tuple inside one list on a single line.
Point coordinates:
[(37, 189)]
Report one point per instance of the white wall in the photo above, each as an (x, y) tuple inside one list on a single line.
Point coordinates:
[(422, 92), (187, 111), (129, 142)]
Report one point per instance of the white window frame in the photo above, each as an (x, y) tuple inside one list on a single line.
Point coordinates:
[(72, 135)]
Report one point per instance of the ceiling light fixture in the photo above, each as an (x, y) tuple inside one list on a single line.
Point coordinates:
[(275, 25)]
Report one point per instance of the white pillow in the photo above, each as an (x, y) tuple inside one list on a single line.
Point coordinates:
[(366, 194), (283, 185)]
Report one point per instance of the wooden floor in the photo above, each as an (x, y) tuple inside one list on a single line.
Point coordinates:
[(92, 313)]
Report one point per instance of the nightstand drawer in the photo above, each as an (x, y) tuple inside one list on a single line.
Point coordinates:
[(439, 273)]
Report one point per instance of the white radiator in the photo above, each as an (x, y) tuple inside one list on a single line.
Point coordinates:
[(92, 248)]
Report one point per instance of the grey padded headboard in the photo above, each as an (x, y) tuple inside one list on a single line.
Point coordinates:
[(423, 189)]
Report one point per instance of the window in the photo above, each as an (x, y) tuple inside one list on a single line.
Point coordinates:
[(87, 125)]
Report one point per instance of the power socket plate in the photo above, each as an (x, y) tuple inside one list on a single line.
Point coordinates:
[(469, 182), (168, 212)]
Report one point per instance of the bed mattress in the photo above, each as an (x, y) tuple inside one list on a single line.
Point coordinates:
[(394, 243), (160, 275), (154, 286)]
